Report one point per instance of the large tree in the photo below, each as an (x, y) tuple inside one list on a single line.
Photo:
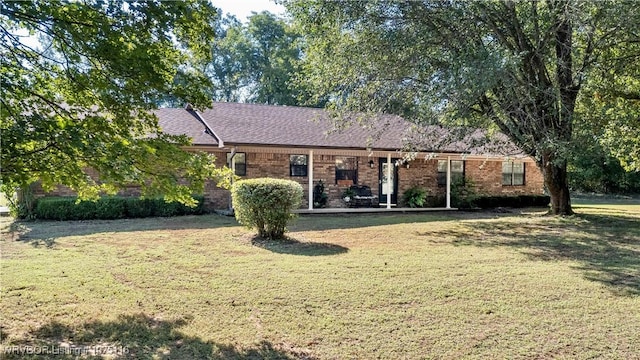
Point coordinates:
[(257, 61), (79, 80), (519, 68)]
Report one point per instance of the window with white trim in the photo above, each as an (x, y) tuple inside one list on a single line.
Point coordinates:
[(457, 171), (298, 165), (512, 173), (346, 169)]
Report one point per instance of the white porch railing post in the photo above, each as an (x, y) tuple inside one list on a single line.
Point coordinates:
[(310, 165), (389, 184), (448, 182)]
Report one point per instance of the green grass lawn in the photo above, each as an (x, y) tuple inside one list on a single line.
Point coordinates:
[(476, 285)]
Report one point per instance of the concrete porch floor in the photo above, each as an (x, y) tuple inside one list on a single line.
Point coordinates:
[(370, 210)]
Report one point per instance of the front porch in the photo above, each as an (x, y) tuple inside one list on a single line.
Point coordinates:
[(370, 210)]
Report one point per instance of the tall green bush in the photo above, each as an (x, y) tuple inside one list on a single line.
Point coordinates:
[(265, 204), (463, 193)]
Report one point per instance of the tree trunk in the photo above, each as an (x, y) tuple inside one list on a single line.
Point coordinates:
[(556, 181)]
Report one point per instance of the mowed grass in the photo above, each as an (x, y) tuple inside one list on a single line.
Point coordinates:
[(476, 285)]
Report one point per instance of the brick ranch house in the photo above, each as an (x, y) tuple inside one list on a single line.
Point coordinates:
[(296, 143)]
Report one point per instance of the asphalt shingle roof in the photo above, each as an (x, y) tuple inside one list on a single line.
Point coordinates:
[(184, 122), (255, 124)]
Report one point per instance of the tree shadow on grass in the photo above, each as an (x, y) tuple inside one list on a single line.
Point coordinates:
[(320, 222), (295, 247), (45, 232), (607, 247), (139, 337)]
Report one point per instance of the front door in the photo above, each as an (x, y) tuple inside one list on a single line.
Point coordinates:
[(388, 188)]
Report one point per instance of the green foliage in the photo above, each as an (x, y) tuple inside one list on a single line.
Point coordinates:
[(348, 193), (599, 160), (82, 98), (513, 201), (415, 197), (21, 206), (320, 196), (256, 62), (517, 68), (265, 204), (71, 208), (490, 201), (463, 193)]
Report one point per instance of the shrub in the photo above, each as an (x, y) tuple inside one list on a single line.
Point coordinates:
[(65, 208), (111, 207), (488, 202), (415, 197), (139, 208), (320, 197), (265, 204), (463, 193), (348, 194)]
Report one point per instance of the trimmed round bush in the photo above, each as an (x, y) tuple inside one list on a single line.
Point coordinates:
[(265, 204)]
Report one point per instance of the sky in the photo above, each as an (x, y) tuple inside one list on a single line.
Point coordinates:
[(243, 8)]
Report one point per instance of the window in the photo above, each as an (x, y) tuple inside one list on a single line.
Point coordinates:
[(346, 171), (457, 172), (298, 165), (512, 173), (240, 163)]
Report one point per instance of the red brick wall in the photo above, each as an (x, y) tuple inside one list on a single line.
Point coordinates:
[(486, 175)]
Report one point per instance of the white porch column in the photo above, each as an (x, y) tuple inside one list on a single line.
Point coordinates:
[(389, 183), (448, 182), (310, 174)]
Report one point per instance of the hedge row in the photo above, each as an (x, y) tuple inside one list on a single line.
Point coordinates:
[(490, 202), (65, 208), (519, 201)]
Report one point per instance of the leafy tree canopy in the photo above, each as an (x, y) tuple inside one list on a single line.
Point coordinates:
[(256, 62), (518, 67), (82, 97)]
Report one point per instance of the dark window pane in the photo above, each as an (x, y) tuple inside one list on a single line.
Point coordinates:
[(298, 159), (298, 170), (506, 179), (239, 161), (347, 169), (457, 171), (241, 169), (442, 166), (298, 165), (518, 179)]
